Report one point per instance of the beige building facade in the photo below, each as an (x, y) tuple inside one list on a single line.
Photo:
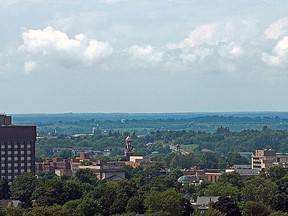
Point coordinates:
[(267, 158)]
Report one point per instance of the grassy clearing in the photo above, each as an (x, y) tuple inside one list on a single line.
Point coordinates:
[(189, 148)]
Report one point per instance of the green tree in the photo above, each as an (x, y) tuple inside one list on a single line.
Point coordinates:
[(71, 190), (259, 190), (252, 208), (46, 211), (278, 213), (49, 192), (168, 202), (126, 190), (211, 160), (276, 173), (222, 189), (14, 211), (2, 212), (176, 173), (280, 200), (161, 183), (89, 207), (70, 208), (57, 191), (227, 206), (236, 158), (106, 195), (86, 176), (233, 178), (201, 188), (23, 187), (210, 212), (135, 204), (119, 204)]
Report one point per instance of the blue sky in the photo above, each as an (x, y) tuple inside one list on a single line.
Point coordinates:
[(143, 56)]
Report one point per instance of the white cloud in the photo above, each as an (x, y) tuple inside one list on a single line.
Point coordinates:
[(236, 50), (277, 29), (232, 50), (50, 43), (146, 53), (97, 49), (279, 55), (213, 34), (222, 46), (198, 54), (29, 66), (204, 34)]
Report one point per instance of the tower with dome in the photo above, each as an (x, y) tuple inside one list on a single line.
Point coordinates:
[(128, 147)]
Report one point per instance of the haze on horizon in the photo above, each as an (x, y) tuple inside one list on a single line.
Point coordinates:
[(143, 56)]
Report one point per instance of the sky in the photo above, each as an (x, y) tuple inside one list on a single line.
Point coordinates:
[(59, 56)]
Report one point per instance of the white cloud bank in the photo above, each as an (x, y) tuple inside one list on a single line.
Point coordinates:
[(236, 44), (146, 53), (209, 34), (229, 45), (221, 46), (53, 43)]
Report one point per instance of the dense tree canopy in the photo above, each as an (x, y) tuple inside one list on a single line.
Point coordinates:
[(227, 206), (259, 190), (23, 187), (167, 202), (147, 191)]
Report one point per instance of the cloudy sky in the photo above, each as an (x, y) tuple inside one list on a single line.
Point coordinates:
[(61, 56)]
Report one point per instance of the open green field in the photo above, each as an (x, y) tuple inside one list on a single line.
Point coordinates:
[(189, 148)]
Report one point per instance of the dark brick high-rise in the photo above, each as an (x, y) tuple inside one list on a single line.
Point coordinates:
[(17, 149)]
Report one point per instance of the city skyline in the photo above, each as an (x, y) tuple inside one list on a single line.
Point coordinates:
[(143, 56)]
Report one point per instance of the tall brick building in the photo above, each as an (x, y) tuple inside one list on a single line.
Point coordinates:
[(17, 148)]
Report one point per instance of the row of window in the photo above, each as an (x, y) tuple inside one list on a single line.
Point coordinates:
[(16, 142), (257, 162), (15, 164), (15, 152), (15, 146), (9, 158), (15, 171)]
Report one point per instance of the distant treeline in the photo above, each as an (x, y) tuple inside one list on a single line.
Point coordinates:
[(144, 123), (72, 117)]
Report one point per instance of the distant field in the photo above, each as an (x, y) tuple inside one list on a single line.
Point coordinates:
[(189, 148)]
